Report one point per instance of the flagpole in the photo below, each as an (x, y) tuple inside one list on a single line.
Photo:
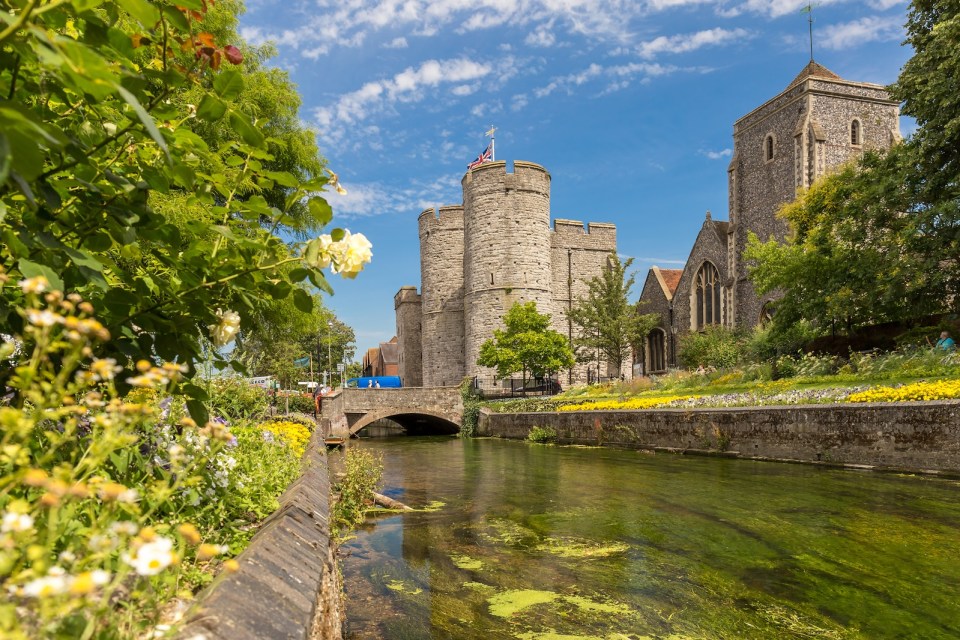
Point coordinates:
[(493, 143)]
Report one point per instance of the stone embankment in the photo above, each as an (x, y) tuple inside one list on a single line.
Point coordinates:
[(911, 437), (288, 584)]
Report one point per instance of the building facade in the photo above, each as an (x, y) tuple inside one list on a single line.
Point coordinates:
[(479, 258), (818, 123)]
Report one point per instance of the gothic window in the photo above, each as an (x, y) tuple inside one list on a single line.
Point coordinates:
[(656, 351), (856, 135), (768, 148), (706, 296)]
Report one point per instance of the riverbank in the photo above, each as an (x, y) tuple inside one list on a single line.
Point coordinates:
[(901, 437)]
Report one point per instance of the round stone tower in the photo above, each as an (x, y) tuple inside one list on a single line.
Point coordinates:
[(506, 247), (441, 282)]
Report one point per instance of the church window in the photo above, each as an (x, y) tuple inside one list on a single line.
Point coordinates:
[(768, 147), (856, 135), (707, 296)]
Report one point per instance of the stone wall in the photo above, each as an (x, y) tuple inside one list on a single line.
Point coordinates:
[(288, 583), (409, 312), (441, 277), (898, 436), (576, 256)]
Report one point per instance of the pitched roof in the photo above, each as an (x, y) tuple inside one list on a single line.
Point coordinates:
[(668, 279), (389, 352), (814, 70)]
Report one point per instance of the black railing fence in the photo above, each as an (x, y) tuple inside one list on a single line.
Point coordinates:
[(491, 387)]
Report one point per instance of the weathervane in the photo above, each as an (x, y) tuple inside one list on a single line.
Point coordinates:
[(809, 11)]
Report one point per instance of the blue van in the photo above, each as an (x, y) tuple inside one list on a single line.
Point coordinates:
[(374, 382)]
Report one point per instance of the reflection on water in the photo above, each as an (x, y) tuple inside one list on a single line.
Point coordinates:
[(559, 543)]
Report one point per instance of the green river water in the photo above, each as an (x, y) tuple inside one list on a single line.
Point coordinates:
[(561, 543)]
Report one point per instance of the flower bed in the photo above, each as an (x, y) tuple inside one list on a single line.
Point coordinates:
[(113, 507)]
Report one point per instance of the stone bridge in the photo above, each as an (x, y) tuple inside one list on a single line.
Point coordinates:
[(419, 410)]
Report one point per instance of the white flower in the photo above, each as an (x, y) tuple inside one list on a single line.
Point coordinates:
[(354, 255), (130, 496), (152, 557), (323, 257), (104, 368), (43, 318), (51, 585), (226, 329), (37, 284), (124, 528), (15, 522)]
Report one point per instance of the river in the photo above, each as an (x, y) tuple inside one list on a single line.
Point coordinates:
[(537, 542)]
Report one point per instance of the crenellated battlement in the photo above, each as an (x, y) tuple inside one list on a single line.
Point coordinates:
[(493, 176), (446, 217), (406, 294)]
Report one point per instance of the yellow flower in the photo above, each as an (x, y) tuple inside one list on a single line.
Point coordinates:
[(189, 533), (207, 551)]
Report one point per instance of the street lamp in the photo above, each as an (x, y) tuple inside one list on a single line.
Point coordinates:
[(329, 341)]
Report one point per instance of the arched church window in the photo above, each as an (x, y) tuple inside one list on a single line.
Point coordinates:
[(855, 133), (768, 147), (707, 296)]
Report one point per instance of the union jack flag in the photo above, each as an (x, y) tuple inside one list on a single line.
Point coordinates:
[(486, 156)]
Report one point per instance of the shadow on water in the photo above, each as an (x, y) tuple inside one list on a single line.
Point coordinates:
[(540, 542)]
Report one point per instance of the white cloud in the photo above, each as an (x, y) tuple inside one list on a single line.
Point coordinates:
[(397, 43), (690, 42), (717, 155), (852, 34), (541, 37), (883, 5), (519, 102), (407, 86), (618, 77), (772, 8), (375, 199)]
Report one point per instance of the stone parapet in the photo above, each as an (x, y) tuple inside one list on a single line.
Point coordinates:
[(913, 437), (288, 584)]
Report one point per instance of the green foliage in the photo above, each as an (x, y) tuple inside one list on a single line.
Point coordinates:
[(235, 399), (605, 320), (542, 435), (362, 477), (152, 179), (471, 409), (927, 89), (527, 344), (716, 347)]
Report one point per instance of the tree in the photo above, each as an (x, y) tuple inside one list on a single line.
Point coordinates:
[(108, 190), (927, 87), (852, 258), (527, 343), (606, 321)]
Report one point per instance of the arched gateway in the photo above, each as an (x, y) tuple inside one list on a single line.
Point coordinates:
[(420, 411)]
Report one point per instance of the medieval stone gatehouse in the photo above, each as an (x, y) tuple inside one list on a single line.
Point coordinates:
[(479, 258), (818, 123)]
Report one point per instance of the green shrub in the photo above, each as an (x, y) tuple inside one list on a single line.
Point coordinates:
[(235, 399), (715, 346), (471, 409), (542, 435), (364, 472)]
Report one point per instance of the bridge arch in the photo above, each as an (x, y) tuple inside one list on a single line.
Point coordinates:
[(416, 419)]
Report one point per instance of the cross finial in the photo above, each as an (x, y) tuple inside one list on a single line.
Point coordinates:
[(809, 11)]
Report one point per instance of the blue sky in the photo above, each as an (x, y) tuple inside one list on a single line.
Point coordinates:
[(629, 104)]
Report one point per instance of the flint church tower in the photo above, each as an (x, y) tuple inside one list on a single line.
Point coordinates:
[(815, 125)]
